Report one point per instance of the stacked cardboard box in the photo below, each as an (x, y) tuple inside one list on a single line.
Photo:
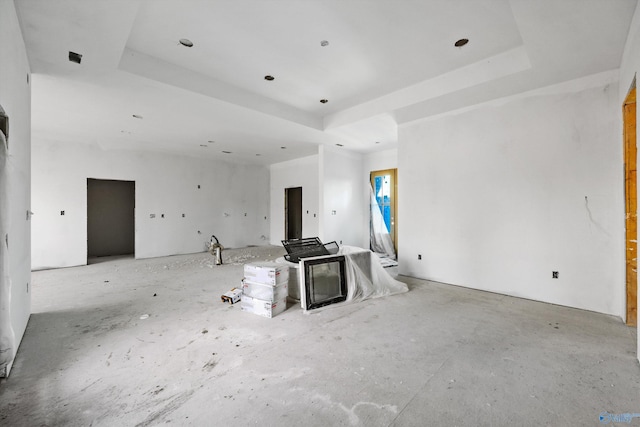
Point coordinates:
[(265, 288)]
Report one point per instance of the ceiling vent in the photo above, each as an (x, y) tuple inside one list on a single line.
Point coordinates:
[(75, 57)]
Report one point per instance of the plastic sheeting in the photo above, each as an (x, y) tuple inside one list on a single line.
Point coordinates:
[(7, 336), (366, 277), (378, 232)]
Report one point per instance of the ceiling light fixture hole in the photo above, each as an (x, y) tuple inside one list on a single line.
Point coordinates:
[(324, 101), (269, 78), (186, 42), (461, 42), (324, 43), (75, 57)]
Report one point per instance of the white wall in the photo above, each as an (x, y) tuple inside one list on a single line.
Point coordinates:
[(15, 97), (295, 173), (165, 184), (341, 191), (628, 71), (499, 196), (380, 160)]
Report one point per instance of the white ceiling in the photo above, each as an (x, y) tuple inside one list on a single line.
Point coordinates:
[(388, 62)]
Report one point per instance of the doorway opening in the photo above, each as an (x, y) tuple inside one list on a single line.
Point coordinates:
[(385, 185), (631, 205), (293, 213), (110, 218)]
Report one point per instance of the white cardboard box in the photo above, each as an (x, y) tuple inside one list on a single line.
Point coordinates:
[(265, 292), (267, 273), (262, 307)]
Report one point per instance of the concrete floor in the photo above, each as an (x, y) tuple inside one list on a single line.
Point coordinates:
[(437, 355)]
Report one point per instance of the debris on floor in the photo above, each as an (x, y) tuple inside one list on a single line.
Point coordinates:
[(231, 296)]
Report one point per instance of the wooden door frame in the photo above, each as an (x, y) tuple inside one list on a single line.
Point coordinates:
[(631, 204), (394, 204)]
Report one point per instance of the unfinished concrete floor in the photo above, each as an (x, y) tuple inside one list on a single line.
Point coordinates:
[(437, 355)]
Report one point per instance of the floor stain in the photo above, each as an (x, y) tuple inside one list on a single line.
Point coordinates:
[(209, 365)]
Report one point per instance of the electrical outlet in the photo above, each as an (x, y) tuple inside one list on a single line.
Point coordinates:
[(419, 256), (61, 212), (554, 274)]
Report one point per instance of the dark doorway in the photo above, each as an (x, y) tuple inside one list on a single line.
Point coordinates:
[(110, 217), (293, 213)]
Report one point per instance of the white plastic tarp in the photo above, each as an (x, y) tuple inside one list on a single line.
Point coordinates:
[(378, 232), (366, 277), (7, 336)]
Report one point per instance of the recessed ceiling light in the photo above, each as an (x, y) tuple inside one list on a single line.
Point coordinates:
[(203, 145), (461, 42), (137, 116), (283, 148), (324, 43), (340, 145), (270, 78), (377, 142), (227, 152), (186, 42), (75, 57), (210, 141), (257, 154), (324, 101)]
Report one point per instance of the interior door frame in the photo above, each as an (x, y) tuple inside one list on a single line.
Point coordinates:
[(287, 208), (133, 218), (631, 205), (393, 200)]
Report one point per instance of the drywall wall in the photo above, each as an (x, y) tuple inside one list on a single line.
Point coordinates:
[(342, 214), (497, 197), (380, 160), (303, 173), (628, 71), (15, 98), (631, 57), (232, 201)]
